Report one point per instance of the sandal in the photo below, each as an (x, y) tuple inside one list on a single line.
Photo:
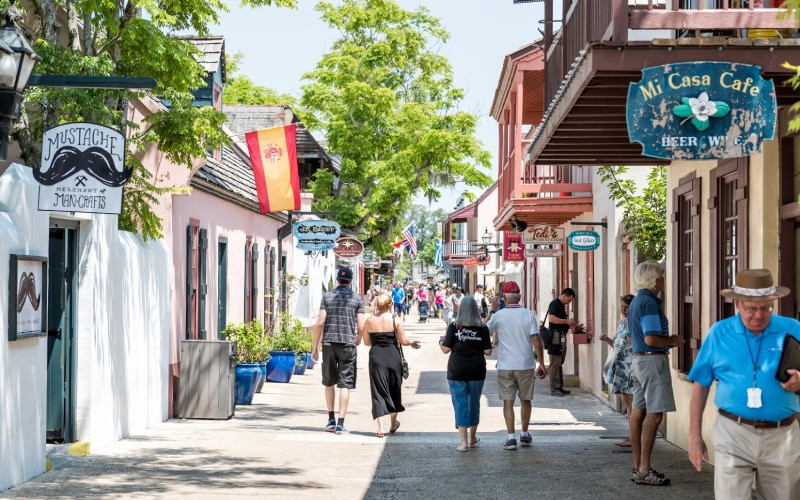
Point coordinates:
[(477, 442), (652, 478), (394, 427), (625, 443), (462, 449), (379, 434)]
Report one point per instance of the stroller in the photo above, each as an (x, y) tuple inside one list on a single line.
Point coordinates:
[(422, 307)]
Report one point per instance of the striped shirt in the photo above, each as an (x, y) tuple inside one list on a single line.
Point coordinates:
[(341, 306)]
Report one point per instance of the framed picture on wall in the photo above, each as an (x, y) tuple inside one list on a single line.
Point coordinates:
[(27, 297)]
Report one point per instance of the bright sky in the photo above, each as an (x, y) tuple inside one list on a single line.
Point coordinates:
[(281, 45)]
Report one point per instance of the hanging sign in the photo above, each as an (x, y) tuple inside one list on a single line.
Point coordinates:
[(583, 240), (533, 253), (348, 248), (318, 235), (543, 234), (701, 110), (479, 260), (82, 169), (513, 247)]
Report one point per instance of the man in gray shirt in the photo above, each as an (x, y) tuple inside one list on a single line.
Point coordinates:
[(339, 328)]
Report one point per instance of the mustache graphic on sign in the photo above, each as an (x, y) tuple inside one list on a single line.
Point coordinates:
[(95, 161), (27, 291)]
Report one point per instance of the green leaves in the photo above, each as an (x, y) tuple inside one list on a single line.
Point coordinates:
[(683, 110), (644, 208), (385, 100), (722, 109), (701, 125)]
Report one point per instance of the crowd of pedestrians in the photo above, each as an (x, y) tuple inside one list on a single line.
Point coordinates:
[(756, 437)]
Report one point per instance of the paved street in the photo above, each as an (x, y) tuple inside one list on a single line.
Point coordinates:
[(276, 448)]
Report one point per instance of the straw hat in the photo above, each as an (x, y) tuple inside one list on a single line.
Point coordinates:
[(755, 285)]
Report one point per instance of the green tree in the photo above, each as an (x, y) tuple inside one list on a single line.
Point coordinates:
[(643, 214), (385, 99), (240, 89), (425, 228), (125, 38)]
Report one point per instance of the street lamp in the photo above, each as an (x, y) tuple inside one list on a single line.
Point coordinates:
[(486, 238), (16, 65)]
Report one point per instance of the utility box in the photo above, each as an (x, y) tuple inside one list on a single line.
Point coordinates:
[(208, 378)]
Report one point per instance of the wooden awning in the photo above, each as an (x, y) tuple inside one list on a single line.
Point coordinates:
[(586, 124), (554, 211)]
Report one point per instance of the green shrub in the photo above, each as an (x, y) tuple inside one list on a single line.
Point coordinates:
[(292, 336), (252, 342)]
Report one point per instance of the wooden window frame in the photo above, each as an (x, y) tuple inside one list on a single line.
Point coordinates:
[(222, 286), (248, 291), (738, 168), (683, 357), (192, 278)]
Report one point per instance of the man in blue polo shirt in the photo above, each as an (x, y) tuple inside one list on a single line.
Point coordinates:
[(399, 300), (756, 434), (652, 397)]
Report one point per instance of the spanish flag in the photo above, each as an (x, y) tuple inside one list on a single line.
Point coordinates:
[(273, 155)]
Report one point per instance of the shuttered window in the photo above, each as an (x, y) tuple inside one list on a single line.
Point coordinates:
[(728, 217), (196, 280), (686, 270)]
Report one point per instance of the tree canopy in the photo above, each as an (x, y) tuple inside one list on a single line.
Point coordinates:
[(385, 99), (425, 229), (125, 38)]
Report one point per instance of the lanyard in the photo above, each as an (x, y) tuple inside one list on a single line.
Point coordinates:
[(750, 352)]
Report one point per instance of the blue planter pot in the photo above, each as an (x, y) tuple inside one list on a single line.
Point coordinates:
[(300, 364), (247, 378), (262, 367), (309, 362), (280, 366)]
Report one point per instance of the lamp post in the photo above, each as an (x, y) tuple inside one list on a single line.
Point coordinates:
[(16, 66)]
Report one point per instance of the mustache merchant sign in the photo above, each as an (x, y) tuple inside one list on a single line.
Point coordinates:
[(82, 169)]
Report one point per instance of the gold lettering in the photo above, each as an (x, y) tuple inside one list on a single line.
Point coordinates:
[(671, 84), (722, 79), (650, 90)]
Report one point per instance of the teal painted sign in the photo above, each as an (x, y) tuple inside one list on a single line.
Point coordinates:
[(701, 111), (316, 235), (583, 240)]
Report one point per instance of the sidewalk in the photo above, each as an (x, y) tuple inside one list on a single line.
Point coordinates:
[(276, 448)]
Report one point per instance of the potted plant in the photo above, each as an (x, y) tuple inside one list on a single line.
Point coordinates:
[(251, 348), (289, 340), (579, 335)]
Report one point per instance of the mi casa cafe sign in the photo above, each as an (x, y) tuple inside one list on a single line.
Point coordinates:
[(701, 111), (82, 169), (317, 235), (583, 240), (543, 234)]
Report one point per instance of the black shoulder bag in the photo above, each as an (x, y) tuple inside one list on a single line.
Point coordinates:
[(546, 335), (403, 362)]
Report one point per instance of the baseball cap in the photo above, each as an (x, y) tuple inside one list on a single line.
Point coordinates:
[(479, 286), (511, 287), (344, 274)]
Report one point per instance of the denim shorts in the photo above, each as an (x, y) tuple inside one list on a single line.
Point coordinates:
[(466, 398)]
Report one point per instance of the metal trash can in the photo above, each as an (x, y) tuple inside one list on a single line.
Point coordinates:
[(208, 378)]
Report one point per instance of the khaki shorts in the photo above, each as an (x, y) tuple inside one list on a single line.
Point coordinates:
[(511, 382), (652, 384)]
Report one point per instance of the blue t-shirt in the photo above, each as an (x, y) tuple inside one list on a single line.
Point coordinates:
[(724, 356), (645, 317), (398, 295)]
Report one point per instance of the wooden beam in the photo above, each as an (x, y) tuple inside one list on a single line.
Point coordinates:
[(709, 19)]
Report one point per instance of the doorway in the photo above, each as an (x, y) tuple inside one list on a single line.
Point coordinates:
[(62, 293)]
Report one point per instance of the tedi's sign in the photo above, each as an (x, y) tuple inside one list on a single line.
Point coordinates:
[(701, 110), (82, 169)]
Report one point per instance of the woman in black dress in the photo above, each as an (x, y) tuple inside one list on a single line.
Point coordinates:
[(467, 341), (383, 334)]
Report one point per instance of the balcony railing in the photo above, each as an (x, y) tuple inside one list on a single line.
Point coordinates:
[(603, 20), (459, 249), (546, 181)]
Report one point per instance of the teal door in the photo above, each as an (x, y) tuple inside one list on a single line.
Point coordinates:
[(60, 334)]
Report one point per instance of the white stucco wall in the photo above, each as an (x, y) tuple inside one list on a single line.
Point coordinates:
[(23, 363), (122, 333)]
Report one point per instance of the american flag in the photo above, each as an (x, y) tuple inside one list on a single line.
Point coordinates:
[(409, 240)]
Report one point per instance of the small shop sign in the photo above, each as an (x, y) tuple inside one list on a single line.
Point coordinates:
[(701, 110), (479, 260), (317, 235), (348, 248), (513, 247), (583, 240), (27, 286), (82, 169), (533, 253), (543, 234)]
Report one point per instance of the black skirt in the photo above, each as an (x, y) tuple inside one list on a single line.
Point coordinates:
[(385, 374)]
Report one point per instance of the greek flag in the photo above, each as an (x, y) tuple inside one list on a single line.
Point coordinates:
[(437, 256)]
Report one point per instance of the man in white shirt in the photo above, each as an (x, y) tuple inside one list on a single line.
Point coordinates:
[(515, 331), (480, 299), (456, 300)]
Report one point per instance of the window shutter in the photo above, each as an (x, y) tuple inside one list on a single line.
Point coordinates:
[(189, 284), (696, 266), (254, 284), (202, 285)]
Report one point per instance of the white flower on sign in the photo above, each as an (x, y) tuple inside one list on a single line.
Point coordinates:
[(702, 108)]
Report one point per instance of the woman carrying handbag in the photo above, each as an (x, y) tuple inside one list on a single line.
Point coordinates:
[(384, 336)]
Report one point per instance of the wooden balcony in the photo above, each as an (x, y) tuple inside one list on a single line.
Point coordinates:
[(592, 59), (548, 194), (457, 250)]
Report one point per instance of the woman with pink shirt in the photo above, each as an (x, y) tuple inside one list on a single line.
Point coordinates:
[(440, 302)]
